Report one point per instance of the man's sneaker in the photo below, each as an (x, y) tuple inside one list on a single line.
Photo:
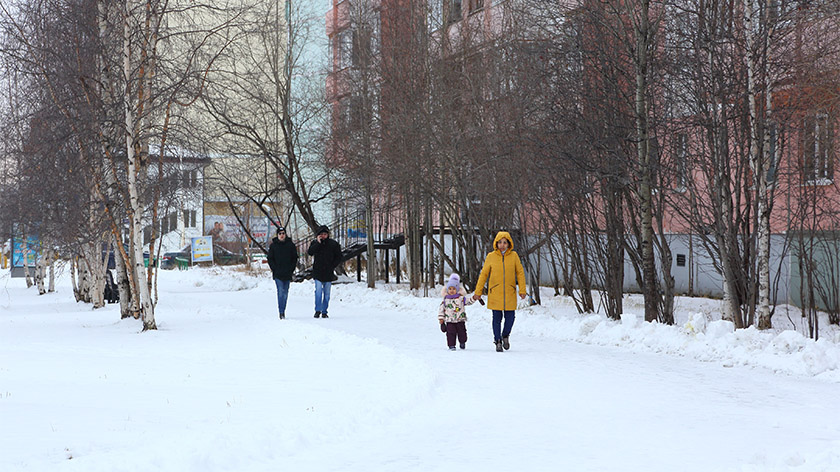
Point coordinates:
[(463, 345), (282, 316), (317, 314), (506, 342), (451, 348), (324, 315), (499, 347)]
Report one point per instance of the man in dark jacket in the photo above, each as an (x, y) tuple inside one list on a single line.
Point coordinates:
[(327, 253), (283, 259)]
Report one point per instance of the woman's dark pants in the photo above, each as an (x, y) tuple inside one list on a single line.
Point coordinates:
[(498, 331)]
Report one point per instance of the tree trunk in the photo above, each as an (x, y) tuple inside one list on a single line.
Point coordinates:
[(614, 278), (93, 287), (51, 288), (371, 259), (441, 272), (666, 260), (651, 291), (124, 284), (134, 170), (26, 261), (74, 262), (758, 154), (413, 242), (41, 272)]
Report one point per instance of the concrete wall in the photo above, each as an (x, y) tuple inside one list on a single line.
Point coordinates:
[(694, 273), (825, 262)]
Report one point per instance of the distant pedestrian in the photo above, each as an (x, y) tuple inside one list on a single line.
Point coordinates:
[(502, 271), (452, 315), (283, 259), (327, 254)]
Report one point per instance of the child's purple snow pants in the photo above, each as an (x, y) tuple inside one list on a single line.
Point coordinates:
[(456, 329)]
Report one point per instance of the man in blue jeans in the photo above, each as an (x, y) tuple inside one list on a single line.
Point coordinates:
[(327, 254), (282, 258)]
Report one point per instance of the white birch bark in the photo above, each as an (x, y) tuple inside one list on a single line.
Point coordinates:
[(84, 280), (133, 169), (73, 266), (95, 273), (754, 29), (26, 272), (645, 191), (41, 273)]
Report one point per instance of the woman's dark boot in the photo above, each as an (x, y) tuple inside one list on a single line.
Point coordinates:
[(499, 346), (506, 342)]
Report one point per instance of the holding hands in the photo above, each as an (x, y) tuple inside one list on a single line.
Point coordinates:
[(478, 297)]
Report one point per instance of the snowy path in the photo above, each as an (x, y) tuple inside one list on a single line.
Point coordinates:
[(548, 405), (225, 386)]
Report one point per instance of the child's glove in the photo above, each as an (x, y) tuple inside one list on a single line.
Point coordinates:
[(442, 326)]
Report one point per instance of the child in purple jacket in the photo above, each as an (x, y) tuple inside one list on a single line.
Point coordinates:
[(451, 314)]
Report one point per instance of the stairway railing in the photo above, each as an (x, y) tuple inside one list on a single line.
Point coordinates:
[(349, 232)]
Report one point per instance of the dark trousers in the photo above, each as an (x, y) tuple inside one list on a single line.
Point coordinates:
[(456, 329), (498, 331)]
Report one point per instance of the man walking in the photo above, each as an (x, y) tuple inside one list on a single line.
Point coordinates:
[(283, 259), (327, 254)]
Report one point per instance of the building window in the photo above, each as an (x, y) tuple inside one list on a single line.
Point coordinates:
[(455, 12), (356, 113), (680, 260), (773, 152), (366, 39), (818, 149), (344, 115), (344, 47), (375, 34), (783, 12), (476, 5), (190, 178), (189, 218), (725, 17), (169, 223), (434, 14), (681, 161)]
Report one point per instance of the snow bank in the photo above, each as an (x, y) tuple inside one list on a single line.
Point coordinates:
[(697, 334)]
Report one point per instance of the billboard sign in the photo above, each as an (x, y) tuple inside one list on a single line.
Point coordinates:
[(226, 229), (19, 251), (201, 249)]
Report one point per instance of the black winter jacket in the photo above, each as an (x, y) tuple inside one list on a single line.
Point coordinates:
[(282, 258), (327, 258)]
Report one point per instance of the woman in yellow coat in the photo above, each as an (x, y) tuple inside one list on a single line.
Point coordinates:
[(502, 271)]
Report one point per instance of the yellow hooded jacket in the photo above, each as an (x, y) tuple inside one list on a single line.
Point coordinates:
[(503, 272)]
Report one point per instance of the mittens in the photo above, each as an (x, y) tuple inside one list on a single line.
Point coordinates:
[(443, 327)]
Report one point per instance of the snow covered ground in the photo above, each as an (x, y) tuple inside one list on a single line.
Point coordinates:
[(224, 385)]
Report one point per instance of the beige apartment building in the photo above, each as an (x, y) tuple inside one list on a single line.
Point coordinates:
[(235, 118)]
